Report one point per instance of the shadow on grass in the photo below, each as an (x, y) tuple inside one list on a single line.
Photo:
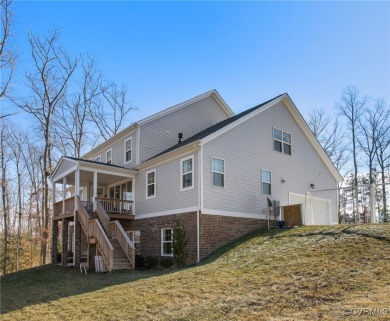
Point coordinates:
[(52, 282), (231, 245)]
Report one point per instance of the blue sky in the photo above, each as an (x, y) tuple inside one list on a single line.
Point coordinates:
[(167, 52)]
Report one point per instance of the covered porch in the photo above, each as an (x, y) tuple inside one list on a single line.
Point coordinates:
[(82, 191)]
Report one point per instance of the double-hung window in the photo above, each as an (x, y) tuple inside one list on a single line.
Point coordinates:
[(128, 146), (166, 242), (266, 182), (187, 173), (109, 156), (135, 237), (282, 141), (151, 184), (218, 168)]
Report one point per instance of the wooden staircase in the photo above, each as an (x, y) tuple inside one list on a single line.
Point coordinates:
[(112, 242), (120, 261)]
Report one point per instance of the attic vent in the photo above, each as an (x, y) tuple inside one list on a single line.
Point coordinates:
[(180, 137)]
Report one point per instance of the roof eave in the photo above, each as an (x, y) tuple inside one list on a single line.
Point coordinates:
[(128, 130), (169, 155)]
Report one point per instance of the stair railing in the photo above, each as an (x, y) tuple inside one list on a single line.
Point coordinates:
[(103, 244), (83, 216), (103, 216), (124, 241)]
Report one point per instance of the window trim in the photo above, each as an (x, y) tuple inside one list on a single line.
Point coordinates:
[(223, 173), (131, 150), (281, 141), (132, 239), (270, 183), (147, 185), (96, 157), (162, 242), (109, 150), (192, 172)]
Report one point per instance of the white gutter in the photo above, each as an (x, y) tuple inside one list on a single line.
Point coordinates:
[(200, 186)]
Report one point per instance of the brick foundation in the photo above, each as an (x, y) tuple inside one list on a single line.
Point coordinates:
[(64, 257), (77, 242), (216, 230), (150, 228), (54, 242)]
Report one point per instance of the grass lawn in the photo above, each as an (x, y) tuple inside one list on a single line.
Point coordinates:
[(308, 273)]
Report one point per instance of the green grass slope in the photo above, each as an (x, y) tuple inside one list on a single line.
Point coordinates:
[(308, 273)]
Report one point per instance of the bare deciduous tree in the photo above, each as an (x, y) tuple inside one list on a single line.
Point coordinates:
[(382, 148), (110, 115), (48, 83), (7, 56), (330, 135), (4, 196), (352, 106), (73, 117)]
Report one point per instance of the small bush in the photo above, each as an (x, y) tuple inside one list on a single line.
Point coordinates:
[(151, 262), (179, 245), (166, 262)]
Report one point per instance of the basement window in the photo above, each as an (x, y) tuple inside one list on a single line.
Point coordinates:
[(166, 242), (135, 237)]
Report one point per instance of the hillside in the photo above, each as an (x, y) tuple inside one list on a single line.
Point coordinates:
[(307, 273)]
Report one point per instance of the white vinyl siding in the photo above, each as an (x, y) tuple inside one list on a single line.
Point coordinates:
[(253, 151), (266, 180), (168, 197), (166, 242), (109, 156), (128, 150), (218, 172), (162, 133), (151, 184), (187, 173)]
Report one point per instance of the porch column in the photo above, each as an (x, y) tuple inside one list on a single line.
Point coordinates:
[(63, 194), (77, 186), (94, 190), (75, 218)]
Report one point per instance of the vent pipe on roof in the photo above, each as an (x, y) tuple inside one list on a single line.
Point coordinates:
[(180, 138)]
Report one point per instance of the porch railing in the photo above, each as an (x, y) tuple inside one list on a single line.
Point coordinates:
[(57, 210), (124, 241), (103, 216), (119, 206), (69, 206)]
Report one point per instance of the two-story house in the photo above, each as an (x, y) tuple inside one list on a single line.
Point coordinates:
[(195, 163)]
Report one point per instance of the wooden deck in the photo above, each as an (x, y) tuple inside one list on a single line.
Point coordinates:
[(115, 208)]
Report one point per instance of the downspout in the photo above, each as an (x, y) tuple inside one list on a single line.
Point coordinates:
[(198, 212)]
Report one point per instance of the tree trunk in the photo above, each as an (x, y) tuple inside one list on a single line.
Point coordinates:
[(4, 203)]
